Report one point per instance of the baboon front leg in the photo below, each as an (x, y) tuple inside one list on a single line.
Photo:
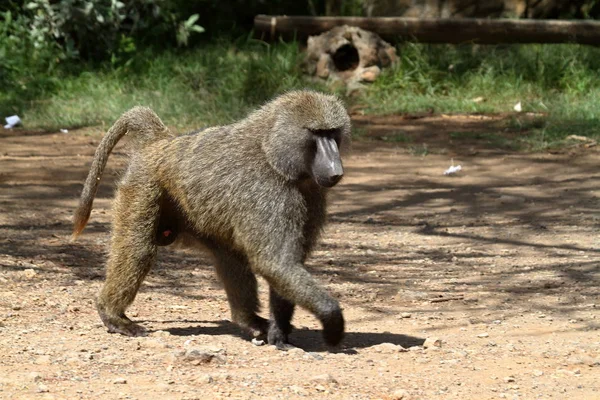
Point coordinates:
[(241, 288), (280, 325), (132, 254), (293, 282)]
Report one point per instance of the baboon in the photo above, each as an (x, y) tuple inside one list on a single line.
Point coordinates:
[(253, 192)]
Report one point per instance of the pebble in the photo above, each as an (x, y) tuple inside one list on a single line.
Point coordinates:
[(537, 372), (205, 379), (406, 315), (296, 352), (120, 381), (324, 379), (509, 379), (388, 348), (43, 389), (314, 355), (42, 360), (432, 342), (399, 394), (201, 356), (29, 273), (483, 335), (35, 376), (298, 390), (258, 342)]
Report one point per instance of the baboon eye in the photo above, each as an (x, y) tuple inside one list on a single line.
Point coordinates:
[(324, 132), (334, 134)]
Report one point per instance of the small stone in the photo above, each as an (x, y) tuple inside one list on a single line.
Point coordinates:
[(406, 315), (43, 388), (120, 381), (320, 388), (537, 372), (35, 376), (483, 335), (202, 356), (324, 379), (258, 342), (509, 379), (205, 379), (314, 355), (296, 352), (42, 360), (29, 273), (432, 342), (399, 394), (298, 390), (388, 348)]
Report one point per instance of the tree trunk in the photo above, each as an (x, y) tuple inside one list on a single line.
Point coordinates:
[(460, 30)]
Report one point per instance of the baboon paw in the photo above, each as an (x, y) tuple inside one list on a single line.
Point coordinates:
[(333, 328), (284, 346), (259, 327), (130, 329), (278, 338), (256, 328)]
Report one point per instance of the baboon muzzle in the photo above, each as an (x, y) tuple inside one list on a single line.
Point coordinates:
[(327, 168)]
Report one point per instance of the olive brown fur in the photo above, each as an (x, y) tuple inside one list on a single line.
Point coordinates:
[(253, 192)]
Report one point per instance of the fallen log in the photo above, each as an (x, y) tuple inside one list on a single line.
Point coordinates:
[(451, 30)]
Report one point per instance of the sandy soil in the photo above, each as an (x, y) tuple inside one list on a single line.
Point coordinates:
[(499, 263)]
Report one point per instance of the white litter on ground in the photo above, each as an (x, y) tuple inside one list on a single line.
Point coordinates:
[(453, 169), (64, 131), (12, 121), (518, 107)]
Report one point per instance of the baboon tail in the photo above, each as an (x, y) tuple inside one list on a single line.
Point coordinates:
[(143, 126)]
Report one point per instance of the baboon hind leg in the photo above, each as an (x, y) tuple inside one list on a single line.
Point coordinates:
[(241, 287), (132, 254), (280, 325)]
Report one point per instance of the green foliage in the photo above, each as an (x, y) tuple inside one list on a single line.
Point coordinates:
[(223, 80), (27, 65), (213, 85), (101, 29)]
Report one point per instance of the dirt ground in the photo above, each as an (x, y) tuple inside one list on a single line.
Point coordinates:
[(498, 266)]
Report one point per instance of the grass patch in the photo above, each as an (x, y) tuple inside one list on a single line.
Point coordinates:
[(213, 85), (397, 137), (222, 81)]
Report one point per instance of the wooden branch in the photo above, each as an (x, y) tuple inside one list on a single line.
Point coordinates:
[(455, 30)]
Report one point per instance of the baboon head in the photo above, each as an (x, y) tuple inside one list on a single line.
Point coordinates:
[(309, 132)]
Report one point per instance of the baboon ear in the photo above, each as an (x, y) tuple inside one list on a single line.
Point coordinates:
[(286, 150)]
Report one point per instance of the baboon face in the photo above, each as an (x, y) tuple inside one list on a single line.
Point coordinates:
[(324, 158), (308, 138)]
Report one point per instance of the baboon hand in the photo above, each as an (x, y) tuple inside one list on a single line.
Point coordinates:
[(333, 326)]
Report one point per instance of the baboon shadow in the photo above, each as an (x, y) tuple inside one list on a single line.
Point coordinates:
[(306, 339)]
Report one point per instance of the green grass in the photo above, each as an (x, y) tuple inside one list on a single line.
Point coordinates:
[(222, 81), (212, 85)]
